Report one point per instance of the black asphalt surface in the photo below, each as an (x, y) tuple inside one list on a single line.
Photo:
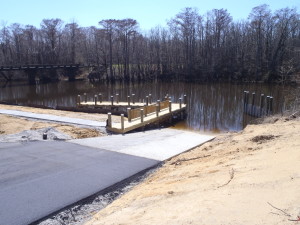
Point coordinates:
[(39, 178)]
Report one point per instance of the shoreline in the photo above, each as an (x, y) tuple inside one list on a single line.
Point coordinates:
[(238, 178)]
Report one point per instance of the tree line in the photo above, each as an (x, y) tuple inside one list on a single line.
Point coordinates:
[(263, 47)]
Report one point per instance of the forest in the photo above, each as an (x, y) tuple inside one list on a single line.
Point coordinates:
[(265, 46)]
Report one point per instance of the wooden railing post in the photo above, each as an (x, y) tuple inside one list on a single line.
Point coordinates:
[(85, 97), (157, 110), (109, 124), (128, 99), (145, 110), (150, 98), (129, 114), (100, 97), (158, 103), (95, 99), (147, 100), (133, 99), (170, 106), (122, 122), (78, 100), (142, 115)]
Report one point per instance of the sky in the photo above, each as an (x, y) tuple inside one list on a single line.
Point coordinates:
[(148, 13)]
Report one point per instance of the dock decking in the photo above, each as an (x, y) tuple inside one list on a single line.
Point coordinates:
[(109, 104), (151, 118)]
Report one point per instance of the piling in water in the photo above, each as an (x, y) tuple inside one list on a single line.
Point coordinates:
[(85, 97), (109, 123)]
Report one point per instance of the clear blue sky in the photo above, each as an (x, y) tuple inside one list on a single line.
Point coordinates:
[(148, 13)]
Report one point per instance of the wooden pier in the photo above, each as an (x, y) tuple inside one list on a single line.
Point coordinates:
[(139, 114), (141, 117)]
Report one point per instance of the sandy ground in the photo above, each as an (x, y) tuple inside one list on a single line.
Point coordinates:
[(250, 177), (13, 125), (88, 116)]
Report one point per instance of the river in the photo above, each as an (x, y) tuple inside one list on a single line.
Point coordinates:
[(212, 107)]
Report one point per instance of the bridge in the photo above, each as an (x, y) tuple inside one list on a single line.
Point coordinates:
[(31, 70)]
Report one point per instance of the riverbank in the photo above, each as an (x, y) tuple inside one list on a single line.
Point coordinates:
[(248, 177)]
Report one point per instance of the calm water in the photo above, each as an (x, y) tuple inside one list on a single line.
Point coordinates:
[(213, 107)]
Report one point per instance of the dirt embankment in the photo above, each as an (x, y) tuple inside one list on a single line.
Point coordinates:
[(250, 177)]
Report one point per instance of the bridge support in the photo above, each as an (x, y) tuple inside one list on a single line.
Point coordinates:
[(72, 73), (31, 74)]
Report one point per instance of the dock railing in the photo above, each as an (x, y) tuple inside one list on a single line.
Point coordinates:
[(147, 109)]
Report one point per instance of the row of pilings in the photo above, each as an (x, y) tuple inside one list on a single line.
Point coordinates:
[(257, 107)]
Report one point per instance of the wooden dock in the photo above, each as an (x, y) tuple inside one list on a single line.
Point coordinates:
[(139, 114), (145, 118)]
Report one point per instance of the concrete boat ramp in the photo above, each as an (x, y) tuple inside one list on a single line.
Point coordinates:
[(42, 177)]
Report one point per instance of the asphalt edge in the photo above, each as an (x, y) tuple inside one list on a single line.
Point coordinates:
[(138, 177)]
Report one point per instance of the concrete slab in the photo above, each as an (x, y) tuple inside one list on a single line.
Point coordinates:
[(39, 178), (53, 118), (155, 144)]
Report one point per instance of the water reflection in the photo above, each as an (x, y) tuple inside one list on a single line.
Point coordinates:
[(212, 107)]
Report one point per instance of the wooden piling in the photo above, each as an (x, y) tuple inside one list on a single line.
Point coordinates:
[(95, 99), (253, 104), (129, 114), (109, 123), (150, 98), (78, 100), (85, 97), (268, 105), (142, 115), (180, 103), (271, 104), (112, 100), (128, 99), (262, 99), (167, 96), (133, 99), (122, 121), (147, 100), (117, 98), (170, 106), (100, 97), (184, 99), (247, 98)]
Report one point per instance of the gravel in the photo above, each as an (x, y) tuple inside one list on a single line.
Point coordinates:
[(35, 135)]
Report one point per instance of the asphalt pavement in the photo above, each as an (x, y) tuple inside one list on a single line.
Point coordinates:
[(39, 178)]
